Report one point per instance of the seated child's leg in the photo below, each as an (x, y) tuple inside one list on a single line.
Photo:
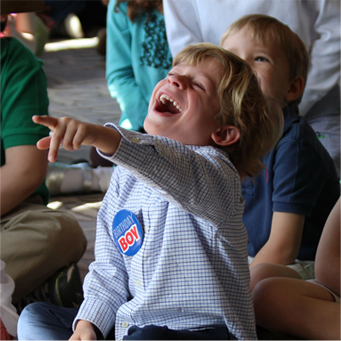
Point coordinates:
[(163, 333), (296, 307), (266, 270), (45, 321), (36, 242)]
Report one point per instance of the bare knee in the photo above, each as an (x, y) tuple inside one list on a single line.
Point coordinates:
[(262, 271), (268, 296)]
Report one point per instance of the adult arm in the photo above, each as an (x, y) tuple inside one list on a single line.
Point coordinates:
[(324, 72), (327, 262), (181, 24), (284, 242), (119, 67), (24, 93), (24, 171)]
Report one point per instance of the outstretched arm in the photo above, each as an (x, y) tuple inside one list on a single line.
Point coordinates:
[(71, 134)]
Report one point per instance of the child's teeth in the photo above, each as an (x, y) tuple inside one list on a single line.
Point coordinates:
[(163, 99)]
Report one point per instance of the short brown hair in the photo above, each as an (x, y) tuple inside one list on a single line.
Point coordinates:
[(242, 104), (265, 28)]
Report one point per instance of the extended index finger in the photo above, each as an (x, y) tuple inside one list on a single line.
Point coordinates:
[(47, 121), (51, 142)]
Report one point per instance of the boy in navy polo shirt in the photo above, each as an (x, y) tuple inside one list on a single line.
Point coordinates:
[(306, 310), (287, 205), (171, 247)]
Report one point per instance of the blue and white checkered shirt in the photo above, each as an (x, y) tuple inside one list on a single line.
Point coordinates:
[(192, 269)]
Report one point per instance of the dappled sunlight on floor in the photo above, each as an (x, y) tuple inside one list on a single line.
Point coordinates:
[(71, 44), (85, 208)]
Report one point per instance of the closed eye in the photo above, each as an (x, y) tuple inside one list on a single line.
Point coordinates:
[(261, 59), (199, 86)]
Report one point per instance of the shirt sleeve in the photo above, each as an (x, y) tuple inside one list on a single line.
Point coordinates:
[(119, 68), (181, 24), (193, 178), (324, 72), (205, 185), (294, 190), (24, 94)]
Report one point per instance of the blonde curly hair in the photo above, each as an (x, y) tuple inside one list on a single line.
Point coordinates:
[(243, 105)]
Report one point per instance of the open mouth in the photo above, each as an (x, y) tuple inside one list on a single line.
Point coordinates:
[(167, 104)]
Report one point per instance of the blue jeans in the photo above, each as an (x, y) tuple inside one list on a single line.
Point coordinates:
[(45, 321)]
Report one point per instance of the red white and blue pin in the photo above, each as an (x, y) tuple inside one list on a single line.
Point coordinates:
[(127, 232)]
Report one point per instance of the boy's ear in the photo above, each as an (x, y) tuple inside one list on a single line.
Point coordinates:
[(296, 89), (226, 135)]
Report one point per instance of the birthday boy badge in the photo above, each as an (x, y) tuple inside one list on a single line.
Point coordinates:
[(127, 232)]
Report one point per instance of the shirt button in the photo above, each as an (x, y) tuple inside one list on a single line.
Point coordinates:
[(125, 324), (138, 283)]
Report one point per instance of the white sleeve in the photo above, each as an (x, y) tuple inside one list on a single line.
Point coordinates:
[(181, 24), (324, 71)]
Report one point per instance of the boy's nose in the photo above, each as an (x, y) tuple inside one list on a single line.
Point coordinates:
[(178, 81)]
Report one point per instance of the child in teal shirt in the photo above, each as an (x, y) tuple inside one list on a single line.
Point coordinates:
[(137, 58)]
